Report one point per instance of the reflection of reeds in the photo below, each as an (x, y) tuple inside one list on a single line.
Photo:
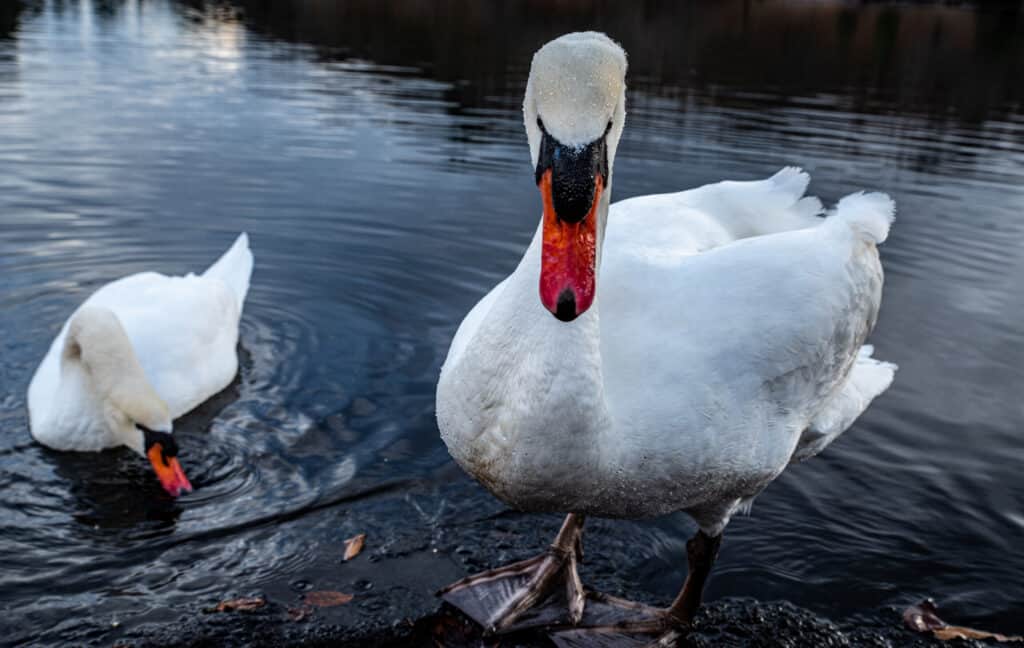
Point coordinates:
[(908, 57), (9, 12), (922, 58)]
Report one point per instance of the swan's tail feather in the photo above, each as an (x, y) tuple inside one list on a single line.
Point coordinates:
[(867, 380), (234, 268), (867, 214), (792, 182), (755, 208), (870, 377)]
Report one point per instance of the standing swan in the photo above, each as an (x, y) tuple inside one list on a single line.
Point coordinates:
[(140, 352), (682, 352)]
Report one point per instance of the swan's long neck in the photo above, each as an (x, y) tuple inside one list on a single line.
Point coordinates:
[(531, 392), (99, 366), (562, 358), (570, 350)]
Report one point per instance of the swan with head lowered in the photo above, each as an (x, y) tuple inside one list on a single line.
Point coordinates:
[(667, 353), (140, 352)]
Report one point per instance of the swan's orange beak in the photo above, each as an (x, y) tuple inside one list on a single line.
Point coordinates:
[(169, 471), (568, 255), (571, 180)]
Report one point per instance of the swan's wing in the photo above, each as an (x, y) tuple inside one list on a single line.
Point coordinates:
[(700, 219), (868, 378), (184, 331), (746, 342)]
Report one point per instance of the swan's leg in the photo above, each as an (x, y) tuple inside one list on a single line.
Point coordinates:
[(701, 552), (506, 598), (615, 622)]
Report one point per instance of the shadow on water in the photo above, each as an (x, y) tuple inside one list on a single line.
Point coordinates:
[(374, 152), (114, 490)]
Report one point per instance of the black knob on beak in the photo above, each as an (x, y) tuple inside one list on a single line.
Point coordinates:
[(574, 172)]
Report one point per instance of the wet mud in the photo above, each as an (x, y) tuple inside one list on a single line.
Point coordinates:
[(394, 579)]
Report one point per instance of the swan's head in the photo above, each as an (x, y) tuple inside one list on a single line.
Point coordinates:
[(97, 342), (161, 449), (574, 111)]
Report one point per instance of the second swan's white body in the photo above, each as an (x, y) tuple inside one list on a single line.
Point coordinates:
[(183, 333)]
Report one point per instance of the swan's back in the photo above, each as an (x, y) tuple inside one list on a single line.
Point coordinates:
[(687, 222)]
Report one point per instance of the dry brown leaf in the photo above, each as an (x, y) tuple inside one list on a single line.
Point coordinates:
[(327, 598), (960, 632), (354, 545), (300, 613), (924, 617), (955, 632), (244, 604)]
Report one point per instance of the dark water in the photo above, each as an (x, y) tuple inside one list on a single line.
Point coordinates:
[(374, 153)]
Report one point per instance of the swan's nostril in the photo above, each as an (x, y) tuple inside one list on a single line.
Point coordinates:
[(566, 309)]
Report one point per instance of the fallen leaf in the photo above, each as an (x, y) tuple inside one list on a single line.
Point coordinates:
[(924, 617), (327, 599), (960, 632), (245, 604), (354, 545), (300, 613)]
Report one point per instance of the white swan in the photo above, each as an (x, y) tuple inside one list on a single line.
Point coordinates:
[(682, 351), (140, 352)]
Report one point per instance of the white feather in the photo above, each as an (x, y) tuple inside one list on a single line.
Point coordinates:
[(868, 214)]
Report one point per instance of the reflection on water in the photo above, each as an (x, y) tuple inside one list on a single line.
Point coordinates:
[(928, 59), (374, 151)]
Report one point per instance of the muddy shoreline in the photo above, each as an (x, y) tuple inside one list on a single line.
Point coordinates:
[(394, 579), (730, 622)]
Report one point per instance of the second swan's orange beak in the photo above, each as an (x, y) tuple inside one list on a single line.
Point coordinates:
[(168, 471)]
